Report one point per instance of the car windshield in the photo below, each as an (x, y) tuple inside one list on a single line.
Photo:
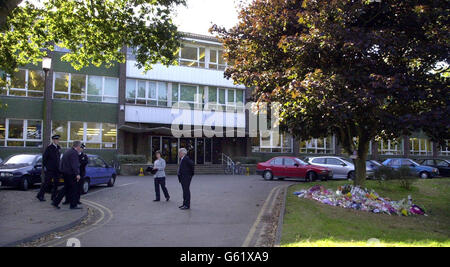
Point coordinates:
[(20, 159), (376, 163), (413, 162), (301, 161)]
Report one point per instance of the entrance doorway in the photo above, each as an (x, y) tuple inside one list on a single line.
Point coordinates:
[(200, 150)]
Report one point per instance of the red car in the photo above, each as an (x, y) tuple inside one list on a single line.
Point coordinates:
[(291, 167)]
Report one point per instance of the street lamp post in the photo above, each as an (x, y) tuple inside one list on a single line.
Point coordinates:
[(47, 112)]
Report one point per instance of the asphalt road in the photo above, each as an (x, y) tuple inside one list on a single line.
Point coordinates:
[(223, 211)]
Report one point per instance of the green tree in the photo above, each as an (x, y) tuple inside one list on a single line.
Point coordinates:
[(362, 69), (93, 30)]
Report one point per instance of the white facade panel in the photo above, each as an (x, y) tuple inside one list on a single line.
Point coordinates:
[(181, 74), (142, 114)]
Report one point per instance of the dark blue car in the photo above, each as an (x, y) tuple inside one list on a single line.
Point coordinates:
[(21, 171), (422, 171)]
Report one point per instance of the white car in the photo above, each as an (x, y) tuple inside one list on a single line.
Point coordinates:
[(341, 167)]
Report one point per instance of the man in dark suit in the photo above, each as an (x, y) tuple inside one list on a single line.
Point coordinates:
[(70, 168), (84, 160), (50, 164), (185, 173)]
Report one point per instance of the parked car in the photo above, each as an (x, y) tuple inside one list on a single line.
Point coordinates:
[(22, 170), (341, 167), (371, 167), (1, 160), (442, 165), (98, 172), (291, 167), (422, 171)]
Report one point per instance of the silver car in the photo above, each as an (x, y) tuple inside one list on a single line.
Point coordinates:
[(341, 167)]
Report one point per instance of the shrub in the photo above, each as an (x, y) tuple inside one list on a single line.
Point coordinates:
[(406, 177), (384, 173), (131, 159)]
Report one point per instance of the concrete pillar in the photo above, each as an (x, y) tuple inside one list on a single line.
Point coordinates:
[(375, 153), (121, 106), (435, 149), (406, 146)]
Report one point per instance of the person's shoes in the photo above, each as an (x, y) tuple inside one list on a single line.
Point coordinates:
[(184, 208), (167, 199), (66, 203), (156, 200), (79, 203), (56, 206), (41, 199), (181, 206), (76, 208)]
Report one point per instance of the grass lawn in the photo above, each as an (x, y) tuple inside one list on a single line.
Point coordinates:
[(310, 223)]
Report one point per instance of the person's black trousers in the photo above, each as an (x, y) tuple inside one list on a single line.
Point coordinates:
[(69, 191), (185, 184), (48, 183), (79, 189), (161, 181)]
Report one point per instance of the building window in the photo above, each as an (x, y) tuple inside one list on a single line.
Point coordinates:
[(192, 56), (444, 151), (391, 147), (420, 146), (318, 146), (216, 60), (150, 93), (231, 99), (271, 144), (25, 83), (94, 135), (20, 133), (80, 87)]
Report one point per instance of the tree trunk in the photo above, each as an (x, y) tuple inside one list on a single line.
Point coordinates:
[(360, 162), (6, 7)]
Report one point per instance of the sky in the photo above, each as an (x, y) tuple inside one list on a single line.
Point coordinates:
[(199, 15)]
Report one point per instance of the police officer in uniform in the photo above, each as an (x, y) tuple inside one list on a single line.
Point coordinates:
[(50, 164)]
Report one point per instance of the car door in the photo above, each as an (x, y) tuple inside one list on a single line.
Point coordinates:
[(93, 171), (103, 170), (336, 165), (37, 170), (443, 167), (277, 167), (291, 169)]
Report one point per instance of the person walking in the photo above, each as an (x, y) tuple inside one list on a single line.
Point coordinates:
[(160, 177), (70, 168), (50, 164), (185, 173)]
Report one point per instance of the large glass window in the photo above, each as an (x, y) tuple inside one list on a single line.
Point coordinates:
[(216, 59), (94, 135), (2, 132), (444, 151), (20, 133), (192, 56), (274, 143), (82, 87), (150, 93), (26, 83), (317, 146), (391, 147), (420, 146), (187, 93)]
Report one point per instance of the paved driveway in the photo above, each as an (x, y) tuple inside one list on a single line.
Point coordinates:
[(223, 210)]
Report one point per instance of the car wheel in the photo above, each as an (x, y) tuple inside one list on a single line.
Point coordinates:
[(112, 181), (267, 175), (86, 186), (25, 184), (351, 175), (424, 175), (311, 176)]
